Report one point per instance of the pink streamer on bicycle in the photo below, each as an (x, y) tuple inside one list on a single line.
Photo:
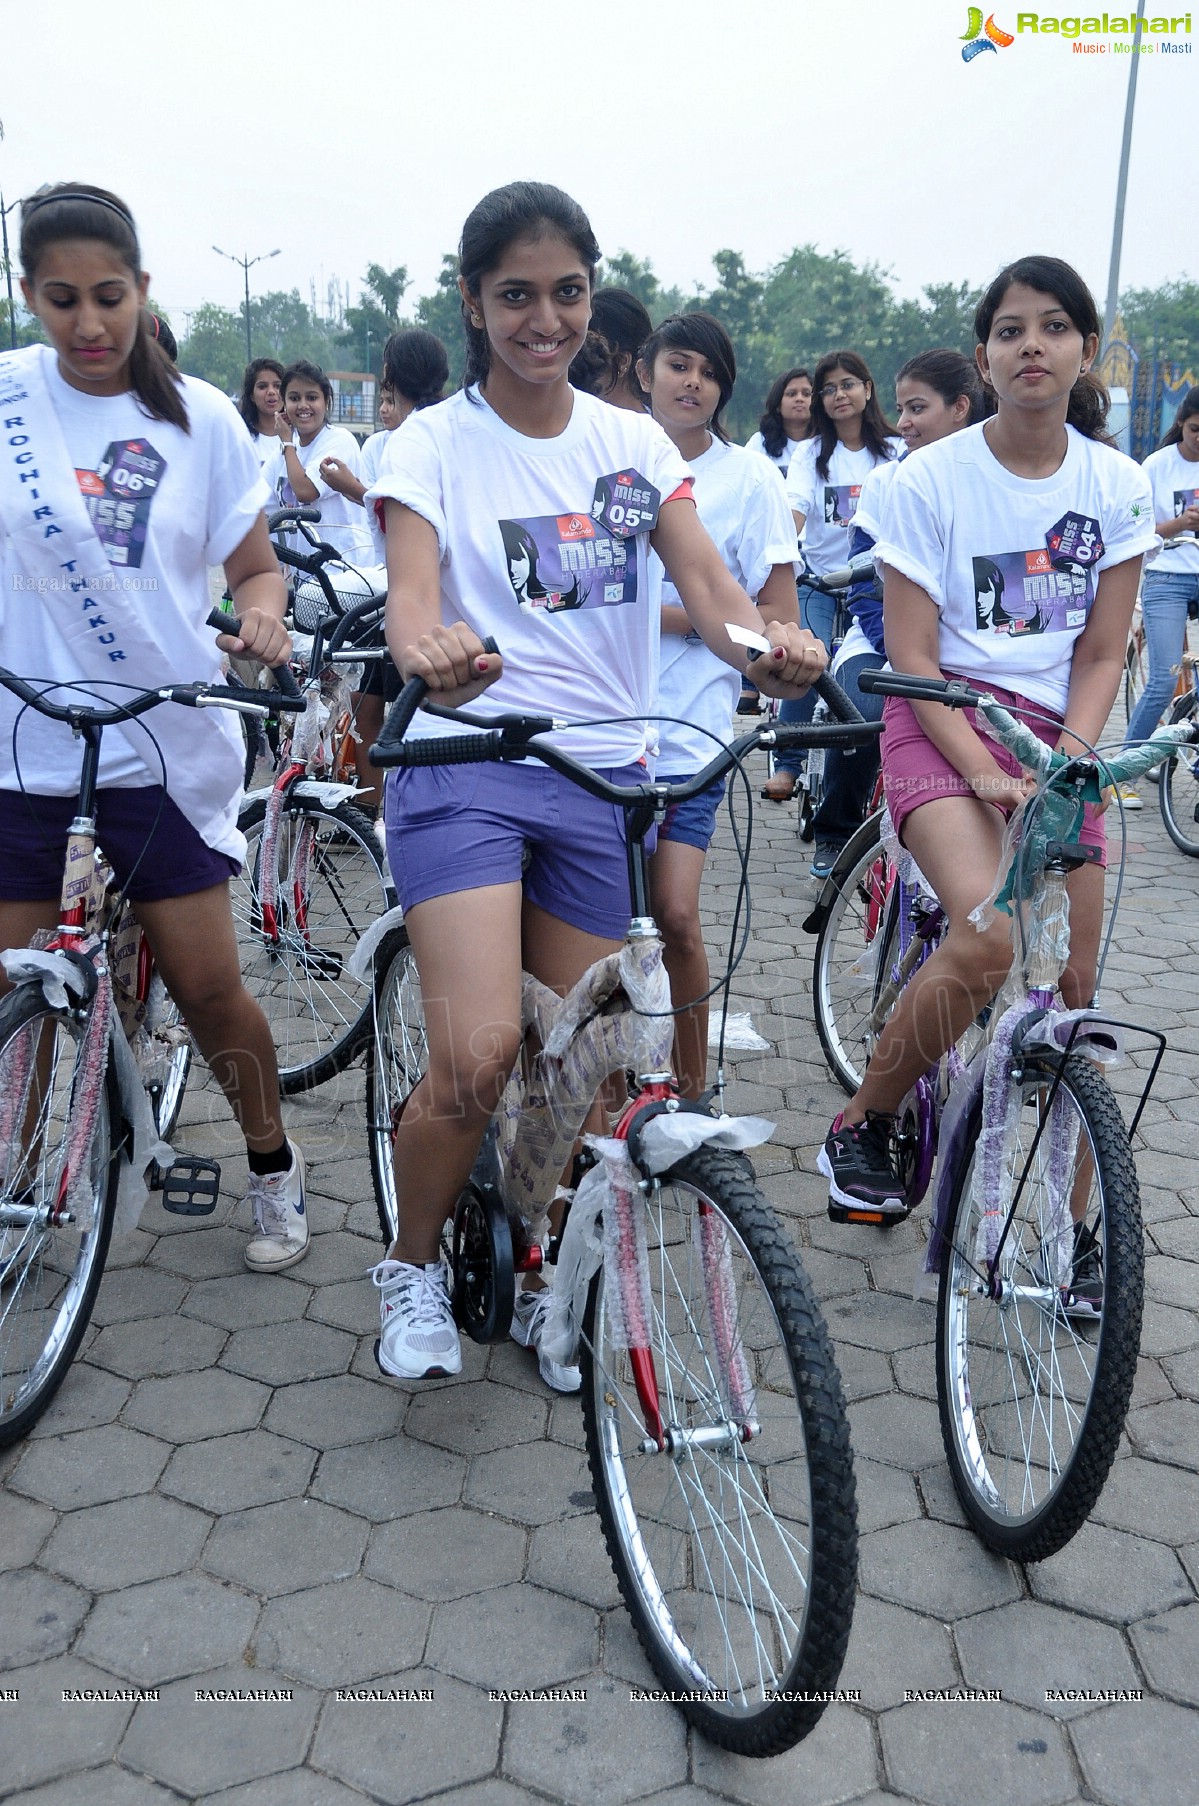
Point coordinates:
[(626, 1256), (87, 1089), (721, 1295)]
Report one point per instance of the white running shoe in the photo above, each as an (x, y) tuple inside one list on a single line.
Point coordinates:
[(418, 1338), (280, 1217), (528, 1320)]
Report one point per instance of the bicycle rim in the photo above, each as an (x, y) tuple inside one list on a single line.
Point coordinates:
[(737, 1562), (50, 1273), (857, 945), (1032, 1399), (169, 1083), (332, 884), (1178, 790), (397, 1054)]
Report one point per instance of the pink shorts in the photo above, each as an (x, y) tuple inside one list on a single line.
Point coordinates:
[(915, 771)]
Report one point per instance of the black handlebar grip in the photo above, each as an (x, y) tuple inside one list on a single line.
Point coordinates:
[(282, 674), (400, 717), (456, 749), (830, 691), (283, 516), (953, 691)]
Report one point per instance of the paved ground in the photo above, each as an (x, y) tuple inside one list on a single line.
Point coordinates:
[(225, 1495)]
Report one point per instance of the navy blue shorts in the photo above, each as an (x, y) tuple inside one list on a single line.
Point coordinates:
[(149, 842), (693, 822)]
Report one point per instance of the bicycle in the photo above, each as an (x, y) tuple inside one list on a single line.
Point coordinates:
[(315, 875), (713, 1413), (810, 777), (84, 1037), (1178, 786), (1035, 1178)]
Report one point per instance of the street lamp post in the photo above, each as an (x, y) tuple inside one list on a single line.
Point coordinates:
[(246, 264), (1113, 276), (12, 312)]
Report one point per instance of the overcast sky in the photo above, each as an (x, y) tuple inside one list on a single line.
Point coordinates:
[(365, 132)]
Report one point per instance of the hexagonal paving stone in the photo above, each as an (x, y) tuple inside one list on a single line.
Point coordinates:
[(878, 1320), (531, 1483), (600, 1751), (474, 1418), (334, 1258), (1023, 1759), (571, 1557), (515, 1636), (26, 1527), (898, 1429), (230, 1473), (389, 1479), (885, 1495), (1140, 1754), (160, 1345), (246, 1300), (329, 1413), (446, 1554), (836, 1762), (1025, 1647), (282, 1353), (39, 1616), (281, 1548), (342, 1634), (1182, 1370), (202, 1747), (41, 1738), (1169, 1650), (1139, 1577), (1168, 1432), (168, 1628), (934, 1568), (105, 1547), (208, 1253), (351, 1304), (90, 1466), (400, 1751), (136, 1292), (87, 1398), (191, 1406), (108, 1786), (1151, 1499), (890, 1649), (296, 1787)]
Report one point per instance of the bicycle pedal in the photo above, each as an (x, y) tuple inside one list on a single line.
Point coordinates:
[(189, 1186), (863, 1213)]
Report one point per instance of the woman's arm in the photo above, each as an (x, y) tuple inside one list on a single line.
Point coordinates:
[(340, 477), (1186, 522), (450, 659), (1097, 667), (800, 520), (302, 486), (777, 600), (259, 599)]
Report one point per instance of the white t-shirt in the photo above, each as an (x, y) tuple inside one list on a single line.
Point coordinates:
[(209, 495), (343, 523), (1175, 484), (868, 514), (744, 508), (371, 457), (783, 461), (978, 540), (828, 503), (266, 448), (523, 559)]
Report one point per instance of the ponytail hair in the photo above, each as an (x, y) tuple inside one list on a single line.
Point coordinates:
[(1187, 406), (79, 210), (415, 365), (1089, 400), (949, 375)]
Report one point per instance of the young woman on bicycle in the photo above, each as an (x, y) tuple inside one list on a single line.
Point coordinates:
[(1171, 585), (786, 419), (490, 530), (850, 435), (260, 404), (936, 393), (999, 494), (688, 368), (307, 444), (148, 478)]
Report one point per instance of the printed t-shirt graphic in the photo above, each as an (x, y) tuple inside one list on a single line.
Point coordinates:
[(841, 503), (562, 561), (1184, 499), (119, 495), (1019, 593)]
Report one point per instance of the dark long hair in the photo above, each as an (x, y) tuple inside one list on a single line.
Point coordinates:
[(247, 407), (80, 210), (774, 433), (704, 335), (1187, 406), (310, 373), (876, 428), (620, 325), (949, 375), (519, 210), (416, 366), (1089, 400)]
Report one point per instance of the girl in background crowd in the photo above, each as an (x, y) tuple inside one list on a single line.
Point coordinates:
[(499, 866), (102, 387), (607, 364), (850, 435), (995, 493), (1171, 585), (306, 442), (688, 368), (260, 405), (786, 419), (937, 393)]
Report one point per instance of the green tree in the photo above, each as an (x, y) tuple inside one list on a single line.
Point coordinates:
[(215, 348), (1164, 322), (441, 313), (387, 288)]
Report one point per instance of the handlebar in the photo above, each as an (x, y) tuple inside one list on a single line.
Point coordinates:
[(290, 517), (281, 673), (194, 695)]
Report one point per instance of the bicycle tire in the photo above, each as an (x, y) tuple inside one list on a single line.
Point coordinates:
[(1178, 788), (1031, 1404), (856, 946), (319, 1016), (737, 1567), (51, 1273), (396, 1056)]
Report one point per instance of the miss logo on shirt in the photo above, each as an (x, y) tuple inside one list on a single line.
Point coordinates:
[(840, 503), (559, 562), (1020, 593)]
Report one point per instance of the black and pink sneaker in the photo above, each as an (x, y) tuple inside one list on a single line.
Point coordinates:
[(858, 1161)]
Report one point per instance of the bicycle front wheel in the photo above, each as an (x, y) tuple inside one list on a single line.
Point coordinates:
[(856, 947), (50, 1270), (396, 1056), (1033, 1386), (332, 884), (736, 1552), (1178, 791)]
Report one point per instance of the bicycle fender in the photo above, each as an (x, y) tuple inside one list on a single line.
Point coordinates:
[(328, 794), (361, 961), (659, 1137)]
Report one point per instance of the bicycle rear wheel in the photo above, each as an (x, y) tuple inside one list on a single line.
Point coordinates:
[(856, 947), (1032, 1394), (49, 1272), (396, 1056), (332, 884), (169, 1081), (1178, 790), (736, 1558)]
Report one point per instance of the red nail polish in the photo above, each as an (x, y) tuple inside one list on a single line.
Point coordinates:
[(480, 665)]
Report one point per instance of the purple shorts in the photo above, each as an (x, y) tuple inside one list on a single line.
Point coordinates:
[(915, 771), (463, 827), (693, 822), (149, 842)]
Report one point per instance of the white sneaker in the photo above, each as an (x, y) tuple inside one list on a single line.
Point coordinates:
[(528, 1320), (280, 1217), (418, 1338)]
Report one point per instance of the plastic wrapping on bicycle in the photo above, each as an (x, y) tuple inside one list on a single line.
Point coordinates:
[(77, 714), (282, 674)]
